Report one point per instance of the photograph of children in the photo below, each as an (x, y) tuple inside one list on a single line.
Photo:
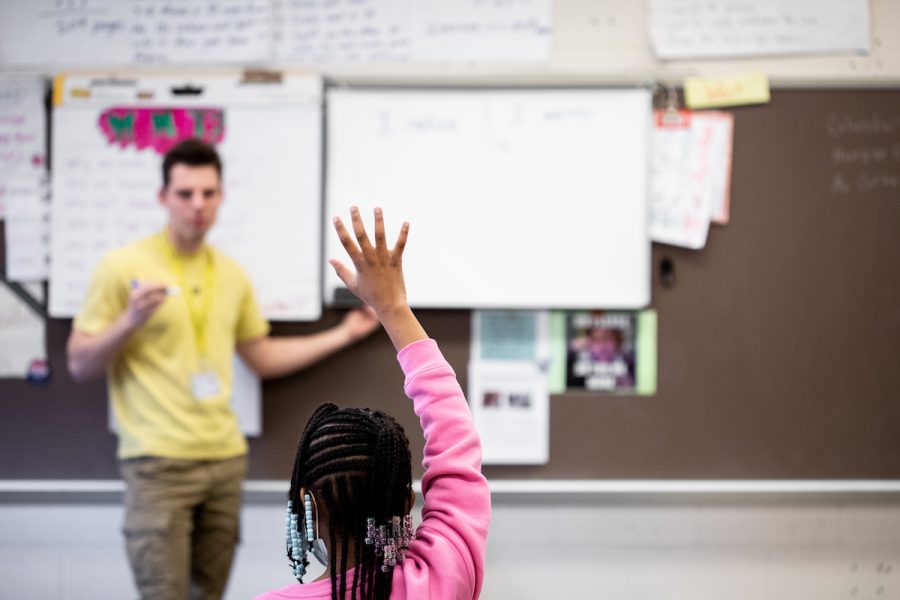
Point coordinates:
[(600, 351)]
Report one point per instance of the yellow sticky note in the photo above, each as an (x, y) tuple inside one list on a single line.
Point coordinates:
[(59, 84), (751, 88)]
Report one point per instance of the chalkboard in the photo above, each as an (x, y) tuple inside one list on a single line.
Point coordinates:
[(778, 342)]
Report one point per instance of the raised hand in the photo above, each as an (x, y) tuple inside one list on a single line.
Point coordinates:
[(378, 280)]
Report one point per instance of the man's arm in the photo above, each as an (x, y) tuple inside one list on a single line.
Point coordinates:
[(277, 356), (89, 355)]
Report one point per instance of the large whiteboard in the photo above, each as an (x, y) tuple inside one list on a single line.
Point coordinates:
[(516, 198), (104, 189)]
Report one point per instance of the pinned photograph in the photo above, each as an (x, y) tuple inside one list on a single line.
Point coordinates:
[(600, 351)]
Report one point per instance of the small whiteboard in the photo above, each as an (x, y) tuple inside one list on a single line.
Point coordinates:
[(108, 140), (516, 198)]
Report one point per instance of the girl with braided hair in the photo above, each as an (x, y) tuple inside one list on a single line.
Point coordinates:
[(351, 493)]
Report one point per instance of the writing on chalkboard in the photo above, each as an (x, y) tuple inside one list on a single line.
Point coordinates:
[(865, 152)]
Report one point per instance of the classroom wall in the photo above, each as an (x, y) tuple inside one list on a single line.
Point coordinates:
[(654, 546)]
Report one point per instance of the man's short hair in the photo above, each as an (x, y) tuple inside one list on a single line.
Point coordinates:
[(192, 152)]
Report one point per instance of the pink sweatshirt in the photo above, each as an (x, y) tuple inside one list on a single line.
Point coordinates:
[(446, 558)]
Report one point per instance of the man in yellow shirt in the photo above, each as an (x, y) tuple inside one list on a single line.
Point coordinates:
[(162, 319)]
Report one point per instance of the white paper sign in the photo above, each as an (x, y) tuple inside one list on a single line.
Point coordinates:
[(508, 385), (70, 33), (24, 178), (246, 397), (511, 408), (66, 33), (690, 177), (21, 333), (699, 28), (399, 31), (479, 31)]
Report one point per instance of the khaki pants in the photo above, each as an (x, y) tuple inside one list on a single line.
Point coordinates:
[(182, 524)]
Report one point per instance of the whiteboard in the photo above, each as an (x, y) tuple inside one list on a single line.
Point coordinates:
[(104, 192), (516, 198)]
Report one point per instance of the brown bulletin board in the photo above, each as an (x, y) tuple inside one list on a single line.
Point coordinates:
[(779, 343)]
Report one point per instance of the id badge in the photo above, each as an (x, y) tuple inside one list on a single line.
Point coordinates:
[(205, 385)]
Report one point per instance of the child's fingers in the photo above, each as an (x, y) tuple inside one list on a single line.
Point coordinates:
[(344, 273), (379, 229), (347, 241), (359, 229), (401, 240)]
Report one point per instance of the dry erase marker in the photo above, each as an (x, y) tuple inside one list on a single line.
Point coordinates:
[(172, 290)]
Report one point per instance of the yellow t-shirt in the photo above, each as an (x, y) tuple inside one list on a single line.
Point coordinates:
[(150, 380)]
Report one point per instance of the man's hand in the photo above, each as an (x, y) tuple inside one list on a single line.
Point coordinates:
[(360, 322), (145, 298)]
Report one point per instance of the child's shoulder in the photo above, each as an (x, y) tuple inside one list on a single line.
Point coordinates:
[(285, 592), (316, 590)]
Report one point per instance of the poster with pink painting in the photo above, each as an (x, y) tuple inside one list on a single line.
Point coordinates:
[(160, 128)]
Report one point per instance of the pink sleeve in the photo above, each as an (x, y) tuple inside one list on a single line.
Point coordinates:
[(446, 559)]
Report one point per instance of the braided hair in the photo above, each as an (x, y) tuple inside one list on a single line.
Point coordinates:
[(357, 463)]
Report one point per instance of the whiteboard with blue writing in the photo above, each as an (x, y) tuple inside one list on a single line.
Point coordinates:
[(516, 198)]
